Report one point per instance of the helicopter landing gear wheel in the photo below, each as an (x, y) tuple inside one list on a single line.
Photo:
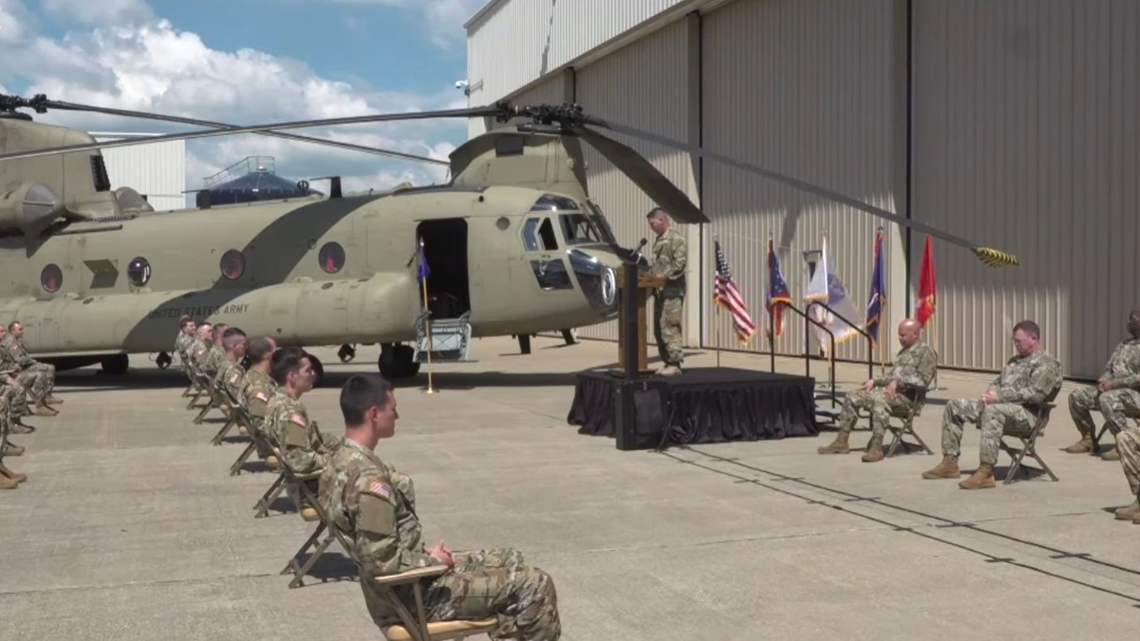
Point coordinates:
[(318, 370), (163, 361), (396, 362), (346, 353), (116, 365)]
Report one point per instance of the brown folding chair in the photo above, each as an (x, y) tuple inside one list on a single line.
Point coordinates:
[(1028, 438), (417, 627), (305, 497), (906, 428)]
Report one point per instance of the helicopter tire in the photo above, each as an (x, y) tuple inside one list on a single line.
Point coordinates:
[(116, 365), (318, 369), (396, 362), (346, 353)]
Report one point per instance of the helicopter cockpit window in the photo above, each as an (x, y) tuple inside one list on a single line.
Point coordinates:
[(51, 278), (538, 235), (579, 229), (138, 271), (550, 202), (233, 264), (331, 257)]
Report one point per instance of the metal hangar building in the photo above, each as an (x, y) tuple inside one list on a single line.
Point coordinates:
[(156, 170), (1007, 122)]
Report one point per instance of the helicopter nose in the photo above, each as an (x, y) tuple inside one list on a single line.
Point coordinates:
[(596, 271)]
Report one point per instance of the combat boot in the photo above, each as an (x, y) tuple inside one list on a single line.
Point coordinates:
[(43, 409), (983, 477), (272, 462), (15, 476), (7, 483), (874, 452), (1128, 512), (947, 469), (1111, 455), (669, 370), (53, 400), (838, 446), (1082, 446), (11, 449), (18, 427), (309, 514)]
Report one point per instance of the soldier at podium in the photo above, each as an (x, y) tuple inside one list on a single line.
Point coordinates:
[(668, 262)]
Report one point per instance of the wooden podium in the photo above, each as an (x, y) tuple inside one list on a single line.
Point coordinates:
[(645, 283)]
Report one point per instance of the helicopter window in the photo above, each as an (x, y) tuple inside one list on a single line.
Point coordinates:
[(579, 229), (233, 264), (546, 233), (331, 257), (51, 278), (139, 271), (550, 202)]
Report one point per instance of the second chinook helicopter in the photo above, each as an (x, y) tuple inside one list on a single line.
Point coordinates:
[(513, 243)]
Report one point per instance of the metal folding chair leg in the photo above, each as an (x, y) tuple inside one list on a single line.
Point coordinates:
[(1028, 448), (267, 499), (300, 571), (217, 440), (235, 469)]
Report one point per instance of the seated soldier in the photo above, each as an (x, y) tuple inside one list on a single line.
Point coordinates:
[(212, 361), (1128, 444), (1026, 380), (186, 333), (9, 480), (1117, 392), (912, 373), (199, 348), (230, 371), (374, 507), (256, 390), (19, 353), (17, 398), (37, 382), (302, 446)]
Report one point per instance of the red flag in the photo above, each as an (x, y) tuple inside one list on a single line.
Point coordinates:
[(927, 286)]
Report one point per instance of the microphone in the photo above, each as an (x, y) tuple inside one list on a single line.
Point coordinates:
[(637, 252)]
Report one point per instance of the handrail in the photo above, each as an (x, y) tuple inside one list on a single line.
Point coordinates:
[(807, 346), (870, 341)]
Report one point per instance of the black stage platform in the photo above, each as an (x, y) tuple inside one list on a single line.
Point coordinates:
[(703, 405)]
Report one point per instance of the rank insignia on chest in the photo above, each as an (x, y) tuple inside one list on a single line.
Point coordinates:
[(380, 489), (298, 419)]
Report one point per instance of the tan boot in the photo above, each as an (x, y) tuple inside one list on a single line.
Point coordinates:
[(7, 473), (1128, 512), (838, 446), (242, 430), (1082, 446), (18, 427), (669, 370), (947, 469), (7, 483), (11, 449), (309, 514), (874, 452), (1111, 455), (272, 462), (45, 410), (53, 400), (983, 477)]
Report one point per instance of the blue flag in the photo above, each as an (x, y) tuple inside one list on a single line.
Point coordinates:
[(878, 296), (422, 271), (778, 294)]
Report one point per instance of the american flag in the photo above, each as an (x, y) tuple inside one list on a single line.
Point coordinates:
[(728, 296)]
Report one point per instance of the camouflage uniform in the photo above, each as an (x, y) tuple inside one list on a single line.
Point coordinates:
[(1123, 370), (182, 346), (373, 507), (302, 446), (1128, 444), (914, 369), (1025, 380), (229, 379), (37, 381), (19, 353), (15, 395), (256, 390), (669, 260), (212, 361)]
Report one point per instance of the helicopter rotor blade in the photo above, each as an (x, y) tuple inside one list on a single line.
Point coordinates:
[(475, 112), (68, 106), (989, 256), (645, 176)]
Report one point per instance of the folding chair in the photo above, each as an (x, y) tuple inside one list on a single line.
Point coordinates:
[(1104, 428), (267, 499), (305, 496), (417, 628), (1028, 438), (218, 400), (899, 432)]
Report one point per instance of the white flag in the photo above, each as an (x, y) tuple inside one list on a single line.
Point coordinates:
[(826, 286)]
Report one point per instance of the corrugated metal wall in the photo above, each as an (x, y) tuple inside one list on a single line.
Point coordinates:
[(805, 88), (520, 40), (156, 170), (1026, 139), (644, 85)]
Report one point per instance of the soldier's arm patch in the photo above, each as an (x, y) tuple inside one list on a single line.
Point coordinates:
[(379, 489), (295, 435), (298, 419), (377, 515), (262, 396)]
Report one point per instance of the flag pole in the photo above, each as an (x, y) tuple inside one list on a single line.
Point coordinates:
[(716, 312), (884, 315), (430, 389)]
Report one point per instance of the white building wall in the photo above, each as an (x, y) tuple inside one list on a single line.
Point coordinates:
[(157, 170), (1026, 138)]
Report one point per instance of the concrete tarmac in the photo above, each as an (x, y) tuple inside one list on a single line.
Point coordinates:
[(130, 527)]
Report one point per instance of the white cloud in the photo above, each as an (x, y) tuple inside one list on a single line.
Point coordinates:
[(442, 19), (99, 11), (151, 66)]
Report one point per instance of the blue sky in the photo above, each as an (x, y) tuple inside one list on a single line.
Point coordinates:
[(250, 61)]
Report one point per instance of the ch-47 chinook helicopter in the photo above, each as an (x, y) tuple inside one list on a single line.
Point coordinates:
[(514, 244)]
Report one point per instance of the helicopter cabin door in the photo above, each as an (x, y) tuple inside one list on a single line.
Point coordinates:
[(445, 251)]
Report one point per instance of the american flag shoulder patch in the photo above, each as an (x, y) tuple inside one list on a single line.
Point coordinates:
[(380, 489), (262, 396), (298, 419), (234, 378)]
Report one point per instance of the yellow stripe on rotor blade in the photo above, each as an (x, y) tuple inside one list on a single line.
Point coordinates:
[(995, 258)]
